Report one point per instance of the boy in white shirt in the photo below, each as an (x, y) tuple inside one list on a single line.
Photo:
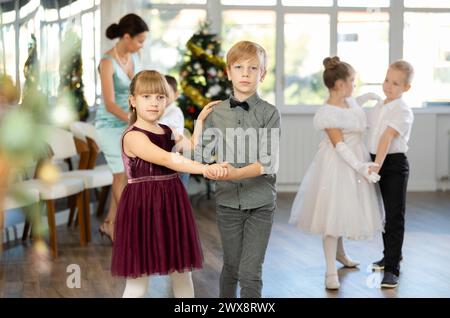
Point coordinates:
[(390, 123), (174, 118)]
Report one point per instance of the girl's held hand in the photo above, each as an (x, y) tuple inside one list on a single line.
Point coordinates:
[(216, 171), (375, 169)]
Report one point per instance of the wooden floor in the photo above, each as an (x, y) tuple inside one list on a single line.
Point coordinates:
[(294, 265)]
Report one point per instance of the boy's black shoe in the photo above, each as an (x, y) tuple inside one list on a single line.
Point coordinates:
[(390, 280), (379, 265)]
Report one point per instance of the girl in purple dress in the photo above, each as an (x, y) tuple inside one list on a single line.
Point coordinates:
[(155, 227)]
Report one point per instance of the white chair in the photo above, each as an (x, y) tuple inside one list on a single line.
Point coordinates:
[(29, 197), (85, 134), (63, 145), (49, 192)]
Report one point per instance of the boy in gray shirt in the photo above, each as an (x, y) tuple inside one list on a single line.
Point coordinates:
[(244, 131)]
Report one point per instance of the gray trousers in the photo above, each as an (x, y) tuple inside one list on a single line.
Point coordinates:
[(245, 236)]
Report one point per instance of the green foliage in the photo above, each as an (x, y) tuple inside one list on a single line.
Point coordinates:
[(71, 72)]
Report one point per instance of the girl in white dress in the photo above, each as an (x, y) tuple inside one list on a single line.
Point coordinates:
[(337, 197)]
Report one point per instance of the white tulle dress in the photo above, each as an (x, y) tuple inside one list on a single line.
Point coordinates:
[(334, 199)]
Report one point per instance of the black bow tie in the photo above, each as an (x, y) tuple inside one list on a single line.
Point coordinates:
[(234, 103)]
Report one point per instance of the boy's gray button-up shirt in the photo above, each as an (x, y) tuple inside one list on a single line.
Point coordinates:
[(241, 138)]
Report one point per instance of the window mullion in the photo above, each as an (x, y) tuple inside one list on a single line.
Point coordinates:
[(396, 18), (279, 55), (17, 35), (333, 29), (214, 15)]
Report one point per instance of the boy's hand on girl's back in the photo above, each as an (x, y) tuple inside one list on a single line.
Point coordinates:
[(207, 109)]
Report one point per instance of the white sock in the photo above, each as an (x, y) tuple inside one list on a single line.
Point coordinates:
[(329, 249), (136, 287), (182, 285)]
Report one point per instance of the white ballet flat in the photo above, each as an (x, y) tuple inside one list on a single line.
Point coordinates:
[(332, 281), (346, 261)]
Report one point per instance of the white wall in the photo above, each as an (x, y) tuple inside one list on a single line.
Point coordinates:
[(111, 11), (428, 154)]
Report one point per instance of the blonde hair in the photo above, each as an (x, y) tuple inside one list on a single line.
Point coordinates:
[(147, 82), (335, 69), (406, 68), (245, 50)]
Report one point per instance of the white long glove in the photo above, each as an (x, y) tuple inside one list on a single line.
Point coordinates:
[(361, 167), (361, 100)]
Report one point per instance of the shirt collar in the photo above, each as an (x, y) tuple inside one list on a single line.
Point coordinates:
[(170, 106), (252, 100), (392, 103)]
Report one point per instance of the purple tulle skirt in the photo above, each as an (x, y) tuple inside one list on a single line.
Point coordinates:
[(155, 231)]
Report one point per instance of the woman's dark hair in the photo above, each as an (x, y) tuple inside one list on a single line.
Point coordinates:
[(335, 69), (131, 24)]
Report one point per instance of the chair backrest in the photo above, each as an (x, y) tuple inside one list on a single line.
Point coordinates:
[(28, 196), (82, 130), (86, 132), (77, 130), (61, 142)]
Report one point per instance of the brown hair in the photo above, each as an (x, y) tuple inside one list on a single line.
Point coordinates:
[(131, 24), (335, 70), (245, 50), (404, 67), (147, 82), (172, 82)]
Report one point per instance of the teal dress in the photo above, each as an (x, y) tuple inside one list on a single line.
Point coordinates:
[(108, 127)]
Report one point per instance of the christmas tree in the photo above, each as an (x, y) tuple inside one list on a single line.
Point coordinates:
[(71, 73), (203, 75)]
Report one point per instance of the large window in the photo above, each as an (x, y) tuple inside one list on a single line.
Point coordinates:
[(170, 30), (306, 43), (365, 3), (50, 58), (427, 4), (426, 45), (8, 52), (364, 33), (47, 22), (363, 41), (297, 34), (257, 26)]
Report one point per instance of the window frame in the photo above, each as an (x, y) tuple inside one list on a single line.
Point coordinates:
[(214, 9)]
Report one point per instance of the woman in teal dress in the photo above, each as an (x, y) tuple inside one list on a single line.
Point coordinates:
[(117, 67)]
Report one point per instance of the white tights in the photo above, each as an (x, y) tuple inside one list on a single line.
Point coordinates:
[(332, 246), (181, 284)]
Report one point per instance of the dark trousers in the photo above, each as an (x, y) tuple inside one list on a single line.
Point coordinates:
[(393, 183), (245, 236)]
